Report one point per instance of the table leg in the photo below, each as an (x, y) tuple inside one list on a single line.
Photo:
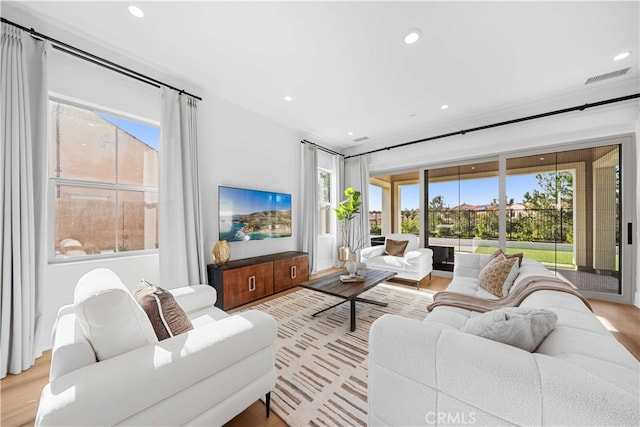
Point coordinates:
[(353, 315), (328, 308), (371, 301)]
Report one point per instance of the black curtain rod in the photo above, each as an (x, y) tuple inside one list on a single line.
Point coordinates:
[(79, 53), (508, 122), (320, 147)]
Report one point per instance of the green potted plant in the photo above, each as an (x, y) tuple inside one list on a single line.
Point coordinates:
[(346, 212)]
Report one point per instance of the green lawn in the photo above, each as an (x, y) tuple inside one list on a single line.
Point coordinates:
[(563, 259)]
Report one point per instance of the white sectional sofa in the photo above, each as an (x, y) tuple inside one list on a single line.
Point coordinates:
[(415, 264), (431, 373), (204, 376)]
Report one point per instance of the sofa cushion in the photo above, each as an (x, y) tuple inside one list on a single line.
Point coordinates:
[(395, 247), (109, 317), (167, 317), (522, 327), (498, 275)]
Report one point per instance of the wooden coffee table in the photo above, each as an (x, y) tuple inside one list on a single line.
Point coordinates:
[(331, 284)]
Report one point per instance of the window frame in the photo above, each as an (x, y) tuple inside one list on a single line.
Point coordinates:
[(330, 225), (397, 214), (53, 182)]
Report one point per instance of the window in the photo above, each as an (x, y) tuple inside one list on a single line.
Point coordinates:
[(409, 214), (324, 201), (103, 177), (375, 210)]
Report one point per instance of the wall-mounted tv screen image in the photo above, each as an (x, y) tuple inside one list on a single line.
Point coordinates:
[(253, 215)]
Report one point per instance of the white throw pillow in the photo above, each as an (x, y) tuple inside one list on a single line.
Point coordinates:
[(109, 317), (522, 327)]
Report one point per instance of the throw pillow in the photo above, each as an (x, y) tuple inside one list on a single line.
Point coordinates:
[(395, 247), (499, 252), (519, 255), (522, 327), (498, 275), (493, 256), (167, 317)]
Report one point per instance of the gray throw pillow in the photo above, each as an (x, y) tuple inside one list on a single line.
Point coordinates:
[(521, 327)]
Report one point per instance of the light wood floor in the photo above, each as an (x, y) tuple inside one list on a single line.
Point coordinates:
[(19, 394)]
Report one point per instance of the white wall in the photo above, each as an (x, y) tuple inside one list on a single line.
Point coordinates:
[(550, 132), (239, 148)]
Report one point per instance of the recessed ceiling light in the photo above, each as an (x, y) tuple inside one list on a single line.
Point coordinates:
[(136, 11), (621, 55), (288, 98), (350, 134), (444, 107), (412, 36)]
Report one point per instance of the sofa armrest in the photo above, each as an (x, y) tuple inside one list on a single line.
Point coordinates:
[(196, 297), (419, 256), (70, 349), (419, 369), (113, 390), (369, 253)]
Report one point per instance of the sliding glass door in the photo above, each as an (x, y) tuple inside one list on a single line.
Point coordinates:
[(461, 211), (569, 218), (562, 208)]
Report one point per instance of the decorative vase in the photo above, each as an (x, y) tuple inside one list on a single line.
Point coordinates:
[(344, 253), (352, 267), (361, 269), (221, 253)]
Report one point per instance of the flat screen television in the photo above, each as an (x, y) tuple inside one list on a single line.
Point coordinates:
[(252, 214)]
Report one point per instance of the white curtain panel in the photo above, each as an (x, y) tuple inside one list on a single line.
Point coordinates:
[(356, 175), (182, 260), (309, 217), (23, 170), (636, 226), (338, 167)]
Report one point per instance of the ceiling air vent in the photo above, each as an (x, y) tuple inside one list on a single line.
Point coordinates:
[(362, 138), (606, 76)]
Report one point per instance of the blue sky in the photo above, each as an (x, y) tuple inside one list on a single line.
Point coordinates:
[(474, 192), (150, 135)]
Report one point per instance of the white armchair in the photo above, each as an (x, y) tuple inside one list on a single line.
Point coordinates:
[(415, 264), (204, 376)]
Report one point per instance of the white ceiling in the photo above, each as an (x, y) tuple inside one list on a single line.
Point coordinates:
[(345, 63)]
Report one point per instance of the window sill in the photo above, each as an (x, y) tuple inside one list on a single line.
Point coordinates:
[(101, 257)]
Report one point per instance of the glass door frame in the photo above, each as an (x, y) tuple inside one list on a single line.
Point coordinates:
[(628, 202)]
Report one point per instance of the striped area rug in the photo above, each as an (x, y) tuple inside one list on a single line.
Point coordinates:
[(321, 365)]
